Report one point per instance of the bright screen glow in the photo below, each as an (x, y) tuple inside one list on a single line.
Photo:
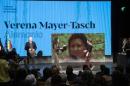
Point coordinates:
[(43, 13)]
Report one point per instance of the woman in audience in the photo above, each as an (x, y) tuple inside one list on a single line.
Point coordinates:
[(21, 74), (4, 69), (46, 73)]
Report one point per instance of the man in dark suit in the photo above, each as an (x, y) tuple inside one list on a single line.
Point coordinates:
[(30, 47)]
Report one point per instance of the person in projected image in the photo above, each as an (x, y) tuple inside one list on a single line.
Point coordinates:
[(30, 47), (79, 47)]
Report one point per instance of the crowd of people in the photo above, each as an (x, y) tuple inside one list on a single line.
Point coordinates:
[(12, 74)]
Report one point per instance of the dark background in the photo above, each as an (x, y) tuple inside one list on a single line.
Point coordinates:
[(120, 25)]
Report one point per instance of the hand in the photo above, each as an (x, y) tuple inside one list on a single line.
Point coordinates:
[(30, 49), (86, 53), (0, 48)]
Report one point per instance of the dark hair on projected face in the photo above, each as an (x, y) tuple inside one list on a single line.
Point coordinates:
[(79, 37)]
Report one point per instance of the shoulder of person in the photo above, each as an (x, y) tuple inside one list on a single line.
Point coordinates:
[(27, 42)]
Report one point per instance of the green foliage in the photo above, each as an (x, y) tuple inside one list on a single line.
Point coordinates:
[(97, 40)]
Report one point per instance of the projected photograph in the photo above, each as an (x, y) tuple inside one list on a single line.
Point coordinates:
[(69, 47)]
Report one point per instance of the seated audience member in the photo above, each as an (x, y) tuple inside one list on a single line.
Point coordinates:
[(99, 81), (102, 69), (86, 68), (46, 73), (107, 77), (56, 80), (118, 79), (70, 75), (20, 76), (4, 70), (87, 78), (31, 78), (54, 71)]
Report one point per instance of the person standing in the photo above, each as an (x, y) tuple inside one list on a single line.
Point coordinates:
[(127, 50), (30, 47)]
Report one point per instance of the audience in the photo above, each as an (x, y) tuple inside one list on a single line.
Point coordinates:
[(12, 74)]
